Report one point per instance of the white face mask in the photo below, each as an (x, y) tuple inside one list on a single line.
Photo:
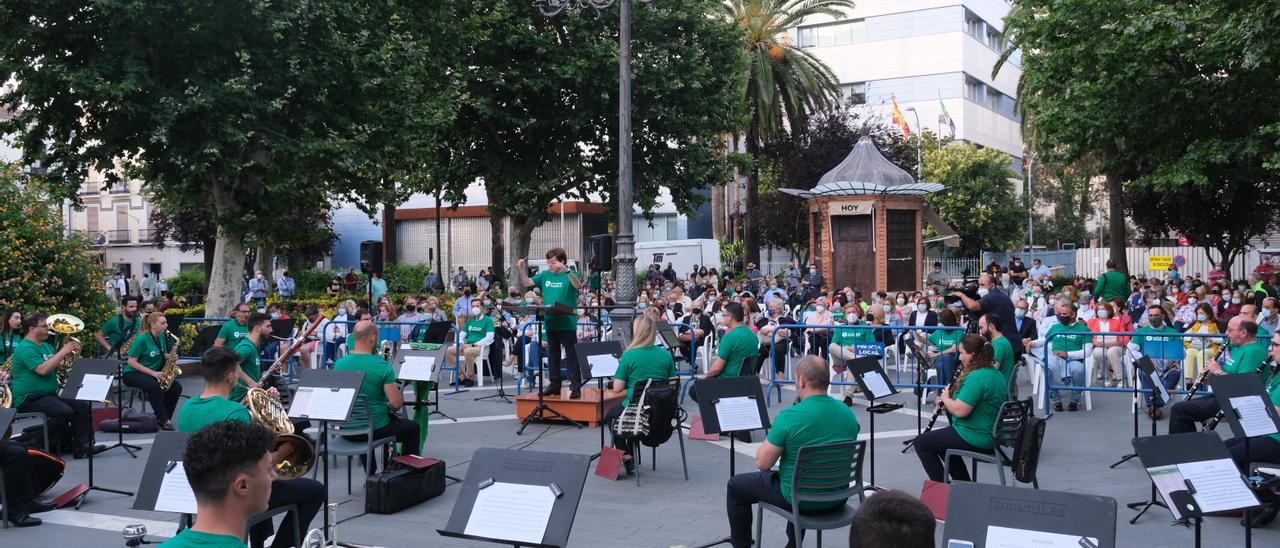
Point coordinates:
[(1191, 301), (982, 291), (901, 302), (922, 308), (475, 311), (1019, 313), (888, 309), (1201, 317), (819, 309), (1102, 314), (1235, 301)]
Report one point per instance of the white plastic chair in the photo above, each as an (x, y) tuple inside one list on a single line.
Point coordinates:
[(482, 361)]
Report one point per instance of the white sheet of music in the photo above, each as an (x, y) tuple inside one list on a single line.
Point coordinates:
[(1158, 384), (603, 365), (1010, 537), (511, 511), (1253, 416), (322, 403), (175, 492), (877, 386), (418, 368), (94, 387), (739, 413), (1218, 485)]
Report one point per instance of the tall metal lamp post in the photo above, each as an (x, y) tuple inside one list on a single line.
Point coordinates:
[(919, 130), (625, 259)]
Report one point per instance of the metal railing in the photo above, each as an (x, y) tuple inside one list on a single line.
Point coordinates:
[(118, 236)]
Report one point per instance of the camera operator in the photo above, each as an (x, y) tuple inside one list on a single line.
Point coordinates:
[(992, 300)]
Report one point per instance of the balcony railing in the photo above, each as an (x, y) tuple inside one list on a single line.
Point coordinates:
[(145, 235), (118, 236)]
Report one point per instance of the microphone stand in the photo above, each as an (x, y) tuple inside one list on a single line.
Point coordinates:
[(129, 448)]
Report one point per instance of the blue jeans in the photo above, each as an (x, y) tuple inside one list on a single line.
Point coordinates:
[(1070, 372), (1169, 374), (945, 365)]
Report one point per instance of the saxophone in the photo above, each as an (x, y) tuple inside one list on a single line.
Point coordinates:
[(170, 371)]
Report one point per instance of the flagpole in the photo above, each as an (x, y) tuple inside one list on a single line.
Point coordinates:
[(919, 130)]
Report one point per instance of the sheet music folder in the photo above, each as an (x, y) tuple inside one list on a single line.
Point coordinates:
[(169, 446), (1230, 389), (1163, 455), (975, 510), (567, 472), (86, 366), (331, 379), (603, 348), (717, 388)]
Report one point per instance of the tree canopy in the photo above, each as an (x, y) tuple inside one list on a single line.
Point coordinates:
[(978, 200)]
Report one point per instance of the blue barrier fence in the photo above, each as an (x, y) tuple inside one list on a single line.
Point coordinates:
[(531, 354)]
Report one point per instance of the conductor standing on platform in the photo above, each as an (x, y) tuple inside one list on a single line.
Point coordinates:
[(558, 286)]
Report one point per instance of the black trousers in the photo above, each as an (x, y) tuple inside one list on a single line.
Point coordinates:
[(1261, 449), (568, 340), (932, 446), (404, 430), (65, 417), (164, 403), (18, 476), (307, 493), (1184, 415), (743, 491), (609, 417)]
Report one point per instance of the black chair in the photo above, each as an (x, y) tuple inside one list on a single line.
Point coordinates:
[(822, 473), (662, 406), (1005, 433)]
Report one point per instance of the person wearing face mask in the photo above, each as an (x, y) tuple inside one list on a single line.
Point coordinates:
[(1112, 284), (1186, 313), (992, 301), (462, 307), (477, 334), (1108, 350), (1268, 318), (1026, 325), (409, 318), (1245, 354), (945, 346), (1070, 342), (812, 283), (819, 338), (1201, 350), (1152, 340), (1017, 273), (936, 278)]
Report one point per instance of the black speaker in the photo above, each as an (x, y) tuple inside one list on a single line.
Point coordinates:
[(601, 253), (371, 256)]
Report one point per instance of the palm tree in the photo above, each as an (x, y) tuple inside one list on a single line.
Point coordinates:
[(785, 83)]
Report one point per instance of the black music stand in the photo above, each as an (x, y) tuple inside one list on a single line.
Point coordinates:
[(1144, 366), (599, 360), (90, 371), (1248, 410), (1165, 456), (875, 384), (983, 514), (541, 410), (415, 374), (119, 362), (711, 391), (326, 383), (563, 475), (501, 394), (168, 449)]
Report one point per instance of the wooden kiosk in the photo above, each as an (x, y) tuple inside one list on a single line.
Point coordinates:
[(866, 216)]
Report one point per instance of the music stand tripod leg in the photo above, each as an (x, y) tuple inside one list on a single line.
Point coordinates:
[(435, 386)]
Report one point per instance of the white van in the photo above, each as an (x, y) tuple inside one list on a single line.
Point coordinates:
[(682, 254)]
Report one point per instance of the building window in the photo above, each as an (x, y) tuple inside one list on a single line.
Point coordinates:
[(975, 90), (995, 39), (855, 92), (832, 34), (973, 25)]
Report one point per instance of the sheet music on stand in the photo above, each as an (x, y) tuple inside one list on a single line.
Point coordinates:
[(599, 359), (1246, 405), (164, 486), (94, 387), (737, 413), (1195, 464), (871, 376), (175, 493), (512, 511), (322, 403)]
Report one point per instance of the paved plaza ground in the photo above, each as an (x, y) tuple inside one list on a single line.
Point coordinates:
[(665, 510)]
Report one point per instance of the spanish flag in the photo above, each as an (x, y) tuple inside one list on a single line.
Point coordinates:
[(899, 119)]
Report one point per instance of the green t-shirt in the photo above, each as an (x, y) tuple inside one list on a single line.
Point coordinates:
[(477, 327), (1273, 391), (198, 413), (190, 538), (944, 340), (377, 373), (640, 364), (557, 288), (1112, 284), (850, 337), (8, 343), (984, 389), (1073, 342), (736, 345), (1246, 359), (248, 353), (232, 332), (815, 420), (1004, 356), (26, 382), (149, 351), (117, 328)]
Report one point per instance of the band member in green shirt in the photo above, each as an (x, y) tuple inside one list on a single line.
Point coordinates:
[(112, 335), (146, 362), (559, 286), (816, 419), (230, 469), (974, 406), (236, 328), (989, 327), (738, 344), (10, 333), (1261, 448), (1244, 355), (35, 387), (642, 361), (220, 369), (380, 391), (248, 348)]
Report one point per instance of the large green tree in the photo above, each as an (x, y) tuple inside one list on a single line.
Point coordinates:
[(785, 85), (234, 107), (978, 200)]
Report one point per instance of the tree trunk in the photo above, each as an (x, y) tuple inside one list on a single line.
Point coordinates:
[(751, 240), (264, 262), (1115, 229), (228, 262), (210, 246), (497, 257), (718, 229), (389, 252), (521, 237)]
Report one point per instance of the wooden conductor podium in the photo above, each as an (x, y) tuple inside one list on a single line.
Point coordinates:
[(585, 410)]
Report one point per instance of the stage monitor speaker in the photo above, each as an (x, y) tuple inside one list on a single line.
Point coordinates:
[(601, 253), (371, 256)]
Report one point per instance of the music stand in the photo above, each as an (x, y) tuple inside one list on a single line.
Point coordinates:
[(167, 451), (986, 514), (508, 514), (541, 410), (1159, 394), (1180, 461), (1248, 409), (875, 384), (90, 381), (329, 396), (923, 363), (416, 374), (599, 360), (716, 393), (501, 394), (119, 362)]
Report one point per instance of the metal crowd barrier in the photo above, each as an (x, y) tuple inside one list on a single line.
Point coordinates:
[(533, 363)]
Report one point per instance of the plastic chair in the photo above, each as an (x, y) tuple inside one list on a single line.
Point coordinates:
[(673, 408), (360, 423), (1004, 433), (482, 364), (822, 473)]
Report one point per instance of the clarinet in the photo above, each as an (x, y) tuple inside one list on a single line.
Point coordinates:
[(1196, 386), (1213, 423), (937, 411)]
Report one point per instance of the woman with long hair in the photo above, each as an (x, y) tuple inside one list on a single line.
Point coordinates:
[(10, 333), (1200, 350), (973, 401), (146, 369), (642, 361)]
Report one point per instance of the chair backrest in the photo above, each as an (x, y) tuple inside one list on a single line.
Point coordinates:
[(828, 473), (1009, 423), (747, 368), (662, 398)]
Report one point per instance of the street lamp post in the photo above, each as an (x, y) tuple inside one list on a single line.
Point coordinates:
[(625, 260), (919, 129)]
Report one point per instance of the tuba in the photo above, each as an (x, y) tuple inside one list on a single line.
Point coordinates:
[(267, 411), (170, 370), (66, 325)]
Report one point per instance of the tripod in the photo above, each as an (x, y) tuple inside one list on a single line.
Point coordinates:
[(1126, 458), (119, 415), (501, 394), (542, 410)]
